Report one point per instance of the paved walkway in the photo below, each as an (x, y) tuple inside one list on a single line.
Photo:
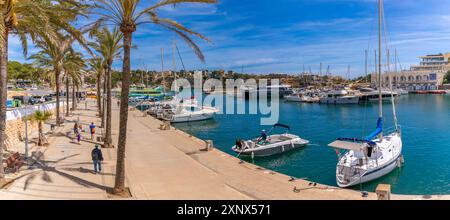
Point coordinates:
[(64, 169)]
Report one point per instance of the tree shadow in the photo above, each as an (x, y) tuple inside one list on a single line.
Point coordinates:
[(43, 165)]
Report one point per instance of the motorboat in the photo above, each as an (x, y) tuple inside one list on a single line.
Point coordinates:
[(282, 90), (372, 95), (189, 113), (296, 97), (401, 91), (365, 159), (340, 97), (274, 144)]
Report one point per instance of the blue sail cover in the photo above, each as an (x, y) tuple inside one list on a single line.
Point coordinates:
[(377, 131), (369, 138)]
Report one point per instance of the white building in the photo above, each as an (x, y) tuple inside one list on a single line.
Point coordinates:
[(429, 75)]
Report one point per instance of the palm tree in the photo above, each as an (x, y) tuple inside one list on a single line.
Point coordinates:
[(109, 45), (52, 54), (34, 19), (96, 65), (73, 63), (128, 15), (41, 117)]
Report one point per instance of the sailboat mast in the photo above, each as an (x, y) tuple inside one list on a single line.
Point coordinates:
[(380, 97), (174, 66), (162, 70), (365, 62)]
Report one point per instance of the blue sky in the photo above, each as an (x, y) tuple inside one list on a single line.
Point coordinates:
[(266, 36)]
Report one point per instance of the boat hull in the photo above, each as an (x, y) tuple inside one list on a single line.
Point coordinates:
[(191, 118), (270, 151), (352, 100), (373, 175), (379, 171)]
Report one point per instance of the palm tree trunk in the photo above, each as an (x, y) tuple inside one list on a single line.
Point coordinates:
[(108, 138), (119, 186), (67, 95), (74, 101), (3, 95), (41, 133), (99, 92), (57, 73), (78, 94), (104, 109)]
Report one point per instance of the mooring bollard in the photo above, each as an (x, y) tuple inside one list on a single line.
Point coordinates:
[(384, 192), (209, 145), (165, 126)]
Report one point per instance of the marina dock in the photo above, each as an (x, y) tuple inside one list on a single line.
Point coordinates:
[(168, 164), (173, 165)]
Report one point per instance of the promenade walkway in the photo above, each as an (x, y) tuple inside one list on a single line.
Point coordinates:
[(63, 170)]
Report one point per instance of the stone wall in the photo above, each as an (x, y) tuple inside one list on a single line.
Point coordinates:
[(15, 125)]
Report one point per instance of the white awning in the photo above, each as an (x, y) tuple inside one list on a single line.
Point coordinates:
[(346, 145)]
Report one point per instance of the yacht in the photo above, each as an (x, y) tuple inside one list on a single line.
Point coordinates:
[(296, 97), (370, 95), (340, 97), (283, 90)]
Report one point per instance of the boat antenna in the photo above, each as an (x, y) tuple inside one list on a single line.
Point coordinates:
[(380, 101)]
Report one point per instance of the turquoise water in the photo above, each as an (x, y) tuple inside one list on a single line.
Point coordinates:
[(425, 121)]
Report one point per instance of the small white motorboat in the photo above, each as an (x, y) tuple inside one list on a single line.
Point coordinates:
[(189, 113), (274, 144)]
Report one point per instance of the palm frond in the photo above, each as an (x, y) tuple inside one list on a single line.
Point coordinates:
[(174, 2), (190, 43)]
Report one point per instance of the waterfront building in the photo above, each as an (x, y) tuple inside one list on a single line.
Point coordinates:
[(428, 75)]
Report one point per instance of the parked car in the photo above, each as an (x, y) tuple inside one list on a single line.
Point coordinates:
[(48, 98), (39, 99), (26, 100)]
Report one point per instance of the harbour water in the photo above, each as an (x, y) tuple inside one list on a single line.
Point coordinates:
[(425, 121)]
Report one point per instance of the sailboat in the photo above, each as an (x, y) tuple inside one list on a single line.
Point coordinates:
[(366, 159)]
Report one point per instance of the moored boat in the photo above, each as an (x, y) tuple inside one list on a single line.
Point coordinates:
[(271, 145), (366, 159)]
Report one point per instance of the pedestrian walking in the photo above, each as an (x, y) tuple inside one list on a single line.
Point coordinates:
[(92, 130), (118, 103), (97, 158), (75, 128), (78, 137)]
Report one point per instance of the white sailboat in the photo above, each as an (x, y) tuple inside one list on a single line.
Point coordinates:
[(374, 156)]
